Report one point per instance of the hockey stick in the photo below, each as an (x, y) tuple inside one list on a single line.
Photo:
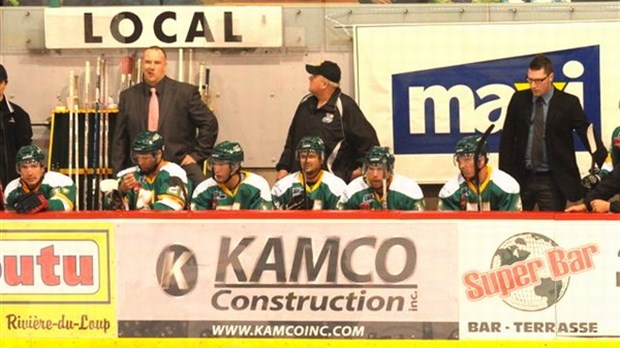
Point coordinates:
[(96, 134), (384, 202), (481, 141), (76, 153), (85, 152), (305, 182), (70, 126), (87, 105), (592, 179), (180, 64)]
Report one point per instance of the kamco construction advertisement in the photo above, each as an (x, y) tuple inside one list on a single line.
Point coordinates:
[(267, 279)]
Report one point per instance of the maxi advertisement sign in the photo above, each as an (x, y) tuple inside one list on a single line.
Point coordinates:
[(424, 87), (265, 279), (433, 109)]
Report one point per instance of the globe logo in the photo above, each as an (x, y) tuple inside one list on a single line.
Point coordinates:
[(528, 246)]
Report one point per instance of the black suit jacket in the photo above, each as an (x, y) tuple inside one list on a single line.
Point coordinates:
[(181, 113), (564, 115)]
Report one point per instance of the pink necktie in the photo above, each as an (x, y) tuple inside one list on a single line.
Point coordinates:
[(153, 111)]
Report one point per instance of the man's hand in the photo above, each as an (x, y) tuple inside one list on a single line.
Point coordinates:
[(600, 206), (282, 173), (576, 208), (128, 182), (187, 160), (31, 203)]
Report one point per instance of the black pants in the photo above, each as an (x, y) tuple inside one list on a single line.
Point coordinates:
[(194, 174), (540, 189)]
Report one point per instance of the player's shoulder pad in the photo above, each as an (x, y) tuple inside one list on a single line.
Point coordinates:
[(174, 169), (55, 179), (204, 186), (406, 186), (356, 185), (336, 184), (284, 184), (451, 186), (260, 183), (126, 171), (505, 181), (12, 186)]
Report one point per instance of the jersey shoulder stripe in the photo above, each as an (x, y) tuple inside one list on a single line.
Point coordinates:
[(203, 186)]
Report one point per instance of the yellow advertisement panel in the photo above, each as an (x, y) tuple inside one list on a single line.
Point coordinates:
[(57, 280)]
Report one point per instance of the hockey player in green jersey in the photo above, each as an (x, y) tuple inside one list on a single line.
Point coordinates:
[(154, 183), (613, 159), (379, 188), (322, 188), (229, 187), (37, 190), (498, 190)]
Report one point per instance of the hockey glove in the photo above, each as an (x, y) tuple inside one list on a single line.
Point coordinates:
[(590, 181), (113, 200), (31, 203)]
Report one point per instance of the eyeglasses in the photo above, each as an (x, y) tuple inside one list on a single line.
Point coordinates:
[(531, 80)]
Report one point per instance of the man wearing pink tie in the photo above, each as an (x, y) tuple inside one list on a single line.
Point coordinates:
[(171, 108)]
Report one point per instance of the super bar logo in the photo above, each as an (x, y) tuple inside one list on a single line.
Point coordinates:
[(530, 272), (449, 102)]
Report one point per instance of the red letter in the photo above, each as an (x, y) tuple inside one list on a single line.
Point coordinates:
[(47, 260), (70, 270)]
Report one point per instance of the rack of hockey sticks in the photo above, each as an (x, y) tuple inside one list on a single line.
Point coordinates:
[(81, 134)]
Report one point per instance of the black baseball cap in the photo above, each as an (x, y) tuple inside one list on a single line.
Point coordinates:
[(327, 69), (3, 75)]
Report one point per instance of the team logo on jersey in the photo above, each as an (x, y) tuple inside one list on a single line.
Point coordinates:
[(450, 102), (328, 118)]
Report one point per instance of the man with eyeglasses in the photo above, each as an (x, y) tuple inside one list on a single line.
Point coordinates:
[(495, 190), (536, 146)]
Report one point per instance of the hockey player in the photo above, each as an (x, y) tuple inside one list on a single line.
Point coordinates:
[(153, 184), (322, 188), (229, 187), (613, 159), (498, 190), (379, 188), (36, 189)]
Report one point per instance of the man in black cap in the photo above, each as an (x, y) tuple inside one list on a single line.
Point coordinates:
[(334, 117), (15, 132)]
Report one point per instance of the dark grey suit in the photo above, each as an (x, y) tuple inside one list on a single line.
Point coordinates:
[(564, 116), (181, 113)]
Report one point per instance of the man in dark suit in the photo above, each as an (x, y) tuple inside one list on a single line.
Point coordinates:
[(541, 155), (178, 112)]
